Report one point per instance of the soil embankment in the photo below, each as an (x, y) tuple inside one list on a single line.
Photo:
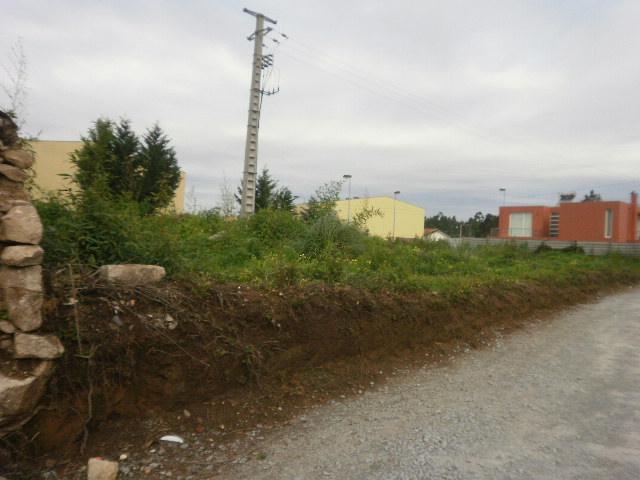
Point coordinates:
[(236, 356)]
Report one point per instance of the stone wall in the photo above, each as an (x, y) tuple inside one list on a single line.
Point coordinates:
[(25, 356)]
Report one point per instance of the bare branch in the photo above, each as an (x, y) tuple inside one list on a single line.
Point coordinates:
[(14, 85)]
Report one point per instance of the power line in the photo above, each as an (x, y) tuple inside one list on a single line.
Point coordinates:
[(368, 82)]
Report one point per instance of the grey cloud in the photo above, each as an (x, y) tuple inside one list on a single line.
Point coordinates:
[(445, 101)]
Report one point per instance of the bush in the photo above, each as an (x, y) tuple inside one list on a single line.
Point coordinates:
[(94, 233), (276, 248), (328, 233)]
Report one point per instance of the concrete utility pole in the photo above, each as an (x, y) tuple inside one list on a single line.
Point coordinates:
[(250, 173)]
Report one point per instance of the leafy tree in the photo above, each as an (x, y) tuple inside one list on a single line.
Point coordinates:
[(323, 202), (448, 225), (592, 197), (114, 163), (366, 213), (480, 225), (268, 195), (284, 200)]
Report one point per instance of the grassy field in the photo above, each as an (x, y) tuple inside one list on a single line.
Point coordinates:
[(275, 249)]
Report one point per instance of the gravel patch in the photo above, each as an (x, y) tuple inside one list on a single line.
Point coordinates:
[(560, 399)]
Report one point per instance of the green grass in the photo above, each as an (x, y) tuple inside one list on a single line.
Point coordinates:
[(276, 249)]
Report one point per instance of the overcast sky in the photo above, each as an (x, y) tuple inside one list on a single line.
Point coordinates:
[(445, 101)]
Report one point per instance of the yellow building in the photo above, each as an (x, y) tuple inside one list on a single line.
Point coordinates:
[(409, 219), (53, 163)]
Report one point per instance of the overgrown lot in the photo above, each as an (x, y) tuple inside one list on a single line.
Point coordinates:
[(276, 249), (260, 313)]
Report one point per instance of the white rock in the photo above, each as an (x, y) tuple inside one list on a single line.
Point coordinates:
[(101, 469), (23, 296), (21, 224), (131, 274), (26, 345), (22, 255)]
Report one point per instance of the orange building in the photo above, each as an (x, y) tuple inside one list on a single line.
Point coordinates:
[(589, 221)]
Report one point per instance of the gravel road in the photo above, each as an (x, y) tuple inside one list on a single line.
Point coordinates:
[(557, 400)]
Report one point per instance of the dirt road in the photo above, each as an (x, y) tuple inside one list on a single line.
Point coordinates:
[(558, 400)]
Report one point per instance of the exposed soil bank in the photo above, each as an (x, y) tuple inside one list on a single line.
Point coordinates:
[(246, 353)]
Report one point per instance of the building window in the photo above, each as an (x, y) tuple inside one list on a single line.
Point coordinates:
[(520, 225), (608, 223), (554, 225)]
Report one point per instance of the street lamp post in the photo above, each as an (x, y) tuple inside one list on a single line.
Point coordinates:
[(395, 194), (504, 196), (348, 178)]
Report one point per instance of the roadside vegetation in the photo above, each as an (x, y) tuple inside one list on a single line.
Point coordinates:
[(275, 248), (118, 214)]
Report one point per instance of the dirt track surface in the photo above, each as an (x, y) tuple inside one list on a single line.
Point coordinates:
[(560, 399)]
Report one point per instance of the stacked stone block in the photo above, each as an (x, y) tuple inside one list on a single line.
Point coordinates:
[(25, 356)]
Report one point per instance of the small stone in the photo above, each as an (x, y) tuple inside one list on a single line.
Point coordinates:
[(20, 395), (23, 296), (101, 469), (37, 346), (6, 327), (18, 157), (14, 174), (22, 255), (131, 274), (11, 192), (22, 224)]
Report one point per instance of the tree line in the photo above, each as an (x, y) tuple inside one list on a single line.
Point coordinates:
[(480, 225)]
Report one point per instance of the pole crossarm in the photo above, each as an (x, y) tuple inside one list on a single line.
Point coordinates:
[(256, 14)]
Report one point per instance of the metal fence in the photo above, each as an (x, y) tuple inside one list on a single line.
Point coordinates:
[(591, 248)]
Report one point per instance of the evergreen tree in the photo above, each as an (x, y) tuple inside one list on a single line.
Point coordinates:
[(160, 174), (95, 158), (114, 163), (265, 190), (124, 174), (268, 195)]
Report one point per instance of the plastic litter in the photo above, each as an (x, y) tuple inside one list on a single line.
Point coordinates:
[(172, 438)]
